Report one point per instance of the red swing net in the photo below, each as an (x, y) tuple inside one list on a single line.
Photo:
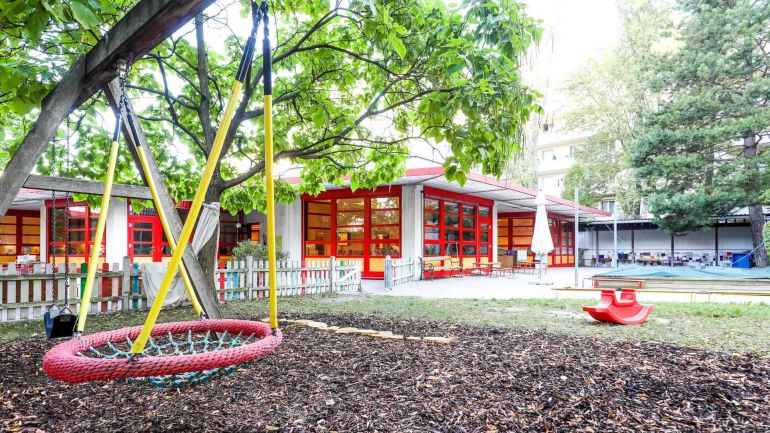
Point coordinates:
[(190, 349)]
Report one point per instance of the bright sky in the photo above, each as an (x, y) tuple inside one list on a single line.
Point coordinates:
[(575, 31)]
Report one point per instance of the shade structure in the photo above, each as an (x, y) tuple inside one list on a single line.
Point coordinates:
[(542, 243)]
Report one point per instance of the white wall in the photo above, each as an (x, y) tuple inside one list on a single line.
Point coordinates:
[(411, 220), (288, 225), (116, 231), (43, 233), (494, 232), (734, 239)]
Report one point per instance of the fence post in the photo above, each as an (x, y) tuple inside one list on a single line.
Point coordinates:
[(125, 285), (332, 274), (388, 273), (249, 277)]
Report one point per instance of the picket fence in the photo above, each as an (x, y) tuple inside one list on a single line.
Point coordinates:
[(26, 292), (399, 271)]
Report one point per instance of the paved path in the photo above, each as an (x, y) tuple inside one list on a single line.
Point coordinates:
[(524, 286)]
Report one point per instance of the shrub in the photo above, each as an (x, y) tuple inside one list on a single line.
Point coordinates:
[(257, 250)]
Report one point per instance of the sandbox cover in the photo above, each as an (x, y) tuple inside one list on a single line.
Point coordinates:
[(707, 272)]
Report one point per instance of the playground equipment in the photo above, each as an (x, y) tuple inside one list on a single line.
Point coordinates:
[(623, 311), (194, 351), (60, 322)]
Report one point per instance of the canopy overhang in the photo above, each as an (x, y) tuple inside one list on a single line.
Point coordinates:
[(508, 197)]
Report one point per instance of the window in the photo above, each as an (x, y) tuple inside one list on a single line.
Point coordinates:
[(385, 226), (82, 230), (608, 206), (318, 224), (453, 228), (19, 235)]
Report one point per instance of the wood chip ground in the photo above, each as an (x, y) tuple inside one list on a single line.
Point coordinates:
[(487, 380)]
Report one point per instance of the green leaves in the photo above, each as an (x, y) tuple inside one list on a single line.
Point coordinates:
[(83, 14), (696, 153), (397, 44)]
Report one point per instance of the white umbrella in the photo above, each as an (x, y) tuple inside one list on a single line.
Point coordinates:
[(542, 243)]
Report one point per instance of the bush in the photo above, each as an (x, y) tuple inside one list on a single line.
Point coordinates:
[(257, 250)]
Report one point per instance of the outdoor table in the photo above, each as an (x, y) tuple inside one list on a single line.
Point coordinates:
[(485, 267)]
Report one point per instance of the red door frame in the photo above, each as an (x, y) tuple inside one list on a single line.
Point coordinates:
[(333, 196), (562, 223), (463, 201)]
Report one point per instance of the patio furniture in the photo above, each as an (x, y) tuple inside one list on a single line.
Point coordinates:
[(525, 267), (431, 265)]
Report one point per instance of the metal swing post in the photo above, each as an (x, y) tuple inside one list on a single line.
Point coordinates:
[(85, 301), (267, 64), (208, 171)]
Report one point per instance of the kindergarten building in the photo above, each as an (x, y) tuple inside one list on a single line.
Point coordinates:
[(421, 214)]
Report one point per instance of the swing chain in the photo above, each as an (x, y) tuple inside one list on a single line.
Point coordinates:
[(67, 222), (124, 68)]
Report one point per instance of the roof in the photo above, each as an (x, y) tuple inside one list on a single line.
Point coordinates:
[(509, 197)]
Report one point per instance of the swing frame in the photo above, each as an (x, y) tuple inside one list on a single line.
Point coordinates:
[(67, 361)]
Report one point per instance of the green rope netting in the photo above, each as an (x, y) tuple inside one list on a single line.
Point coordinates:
[(193, 343)]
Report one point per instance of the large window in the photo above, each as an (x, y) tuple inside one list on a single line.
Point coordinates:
[(19, 235), (515, 233), (82, 229), (318, 226), (384, 226), (456, 228), (362, 225)]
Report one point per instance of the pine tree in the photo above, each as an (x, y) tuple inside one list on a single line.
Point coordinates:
[(698, 155)]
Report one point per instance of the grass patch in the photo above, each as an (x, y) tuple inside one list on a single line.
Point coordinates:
[(742, 328)]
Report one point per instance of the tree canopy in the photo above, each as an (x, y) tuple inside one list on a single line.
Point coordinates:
[(697, 154), (610, 97), (357, 83)]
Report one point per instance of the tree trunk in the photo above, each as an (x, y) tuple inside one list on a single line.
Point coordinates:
[(756, 214), (757, 218), (208, 255)]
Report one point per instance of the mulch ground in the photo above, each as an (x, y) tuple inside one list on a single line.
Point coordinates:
[(488, 380)]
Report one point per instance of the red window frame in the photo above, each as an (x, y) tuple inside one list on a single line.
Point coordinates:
[(562, 234), (16, 230), (89, 226), (368, 242), (467, 207)]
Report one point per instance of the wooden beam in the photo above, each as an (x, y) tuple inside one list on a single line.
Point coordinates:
[(140, 30), (143, 27), (203, 284), (82, 186), (54, 108)]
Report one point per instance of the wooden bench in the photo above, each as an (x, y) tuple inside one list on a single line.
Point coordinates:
[(432, 264), (619, 283)]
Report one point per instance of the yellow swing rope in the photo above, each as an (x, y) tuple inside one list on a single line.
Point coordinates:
[(93, 261), (162, 216), (267, 64), (192, 217)]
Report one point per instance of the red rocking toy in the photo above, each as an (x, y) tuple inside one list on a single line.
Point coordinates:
[(623, 311)]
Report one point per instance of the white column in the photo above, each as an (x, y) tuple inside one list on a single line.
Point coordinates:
[(411, 221), (494, 233), (116, 231), (43, 233), (288, 227)]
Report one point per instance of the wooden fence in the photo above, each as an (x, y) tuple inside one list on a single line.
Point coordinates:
[(399, 271), (249, 279), (26, 292)]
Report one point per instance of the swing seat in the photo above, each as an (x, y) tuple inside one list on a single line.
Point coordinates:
[(190, 355), (624, 311), (62, 325)]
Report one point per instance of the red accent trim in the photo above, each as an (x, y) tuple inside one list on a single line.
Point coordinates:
[(440, 193), (439, 171), (389, 190)]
